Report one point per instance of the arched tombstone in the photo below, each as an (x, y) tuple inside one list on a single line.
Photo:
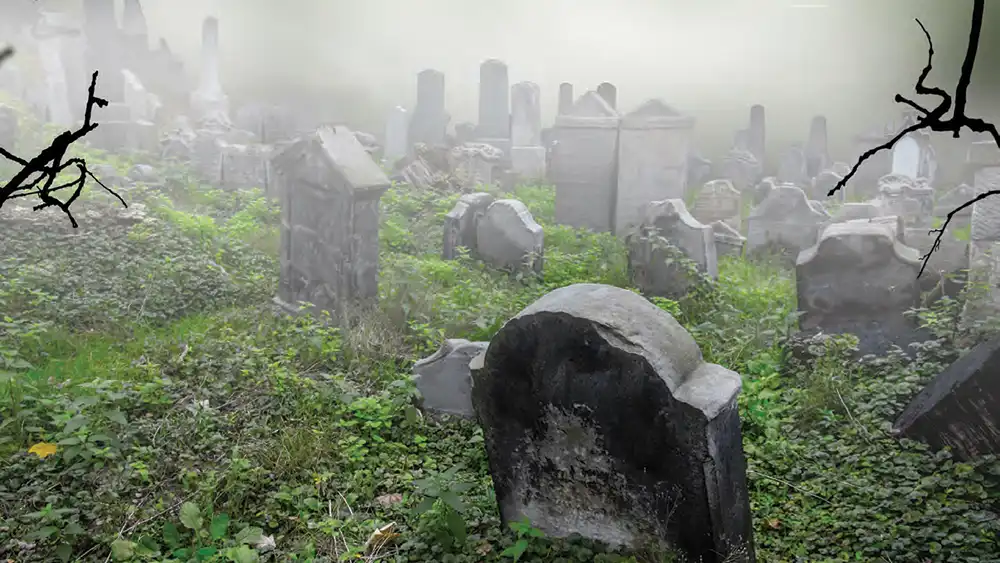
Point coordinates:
[(860, 279), (654, 266), (906, 158), (601, 418), (784, 221)]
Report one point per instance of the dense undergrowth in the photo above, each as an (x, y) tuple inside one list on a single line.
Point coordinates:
[(155, 408)]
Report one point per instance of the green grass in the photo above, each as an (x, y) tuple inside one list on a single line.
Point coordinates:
[(190, 421)]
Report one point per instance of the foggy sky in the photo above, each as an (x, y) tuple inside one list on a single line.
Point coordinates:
[(354, 59)]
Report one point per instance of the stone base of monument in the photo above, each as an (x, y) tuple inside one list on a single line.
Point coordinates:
[(528, 162)]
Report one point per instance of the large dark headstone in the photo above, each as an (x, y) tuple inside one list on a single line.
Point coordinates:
[(600, 418), (960, 408)]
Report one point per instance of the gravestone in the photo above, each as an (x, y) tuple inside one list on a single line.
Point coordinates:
[(859, 279), (494, 105), (243, 167), (984, 247), (10, 129), (396, 135), (906, 158), (742, 169), (793, 167), (654, 144), (784, 222), (609, 92), (462, 222), (817, 152), (329, 222), (103, 51), (475, 164), (668, 232), (209, 102), (864, 183), (960, 407), (507, 237), (756, 134), (584, 164), (444, 379), (527, 155), (728, 241), (601, 418), (825, 181), (429, 123), (741, 140), (565, 97), (718, 200), (56, 91), (854, 210), (142, 103)]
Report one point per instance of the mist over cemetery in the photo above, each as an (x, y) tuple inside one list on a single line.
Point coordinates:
[(509, 340)]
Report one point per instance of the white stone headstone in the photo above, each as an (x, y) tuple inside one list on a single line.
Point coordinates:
[(906, 158)]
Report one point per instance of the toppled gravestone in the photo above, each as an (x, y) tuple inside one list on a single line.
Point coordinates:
[(859, 279), (960, 408), (601, 418), (444, 380), (670, 250), (461, 223), (507, 237)]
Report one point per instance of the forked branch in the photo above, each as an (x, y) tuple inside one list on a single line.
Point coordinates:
[(935, 120)]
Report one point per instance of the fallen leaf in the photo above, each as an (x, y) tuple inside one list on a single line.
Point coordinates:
[(381, 537), (43, 449), (774, 523), (266, 543), (484, 548)]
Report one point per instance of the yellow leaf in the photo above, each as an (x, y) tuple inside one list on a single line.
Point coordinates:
[(381, 537), (43, 449)]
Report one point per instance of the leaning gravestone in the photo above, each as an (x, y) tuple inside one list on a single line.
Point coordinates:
[(444, 380), (718, 200), (859, 279), (601, 418), (666, 228), (584, 164), (508, 237), (960, 408), (653, 148), (784, 221), (329, 221), (728, 241), (461, 222)]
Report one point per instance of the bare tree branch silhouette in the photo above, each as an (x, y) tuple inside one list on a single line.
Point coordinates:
[(38, 175), (935, 120)]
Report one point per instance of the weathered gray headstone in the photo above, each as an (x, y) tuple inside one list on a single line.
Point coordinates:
[(527, 155), (792, 169), (984, 248), (859, 279), (508, 237), (825, 181), (667, 232), (816, 150), (461, 223), (209, 101), (784, 221), (584, 164), (444, 379), (728, 241), (718, 200), (429, 123), (609, 92), (494, 104), (243, 166), (741, 168), (565, 97), (397, 135), (10, 129), (654, 144), (569, 386), (475, 164), (756, 138), (960, 408), (329, 221)]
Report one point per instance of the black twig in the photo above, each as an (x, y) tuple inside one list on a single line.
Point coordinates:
[(38, 175), (934, 119)]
